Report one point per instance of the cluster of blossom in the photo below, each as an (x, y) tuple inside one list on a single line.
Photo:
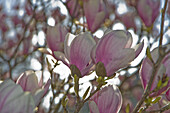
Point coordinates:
[(85, 53), (109, 54)]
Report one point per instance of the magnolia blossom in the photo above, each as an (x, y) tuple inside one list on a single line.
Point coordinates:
[(14, 100), (162, 72), (114, 51), (107, 100), (128, 20), (95, 12), (148, 10), (55, 37), (29, 82), (77, 53), (73, 7)]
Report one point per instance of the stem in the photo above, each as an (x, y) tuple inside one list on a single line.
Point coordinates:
[(162, 22)]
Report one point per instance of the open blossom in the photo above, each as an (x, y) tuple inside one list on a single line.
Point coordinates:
[(114, 51), (55, 37), (77, 52), (95, 12), (148, 10), (29, 82), (14, 100), (106, 100), (162, 72)]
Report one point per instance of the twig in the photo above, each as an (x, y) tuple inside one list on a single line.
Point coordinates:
[(162, 23)]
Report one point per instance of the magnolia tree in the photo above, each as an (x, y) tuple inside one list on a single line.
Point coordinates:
[(84, 56)]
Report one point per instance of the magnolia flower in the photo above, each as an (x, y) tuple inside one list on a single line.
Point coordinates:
[(14, 100), (148, 10), (162, 72), (95, 13), (73, 7), (114, 51), (55, 37), (77, 53), (107, 100), (128, 19), (29, 82)]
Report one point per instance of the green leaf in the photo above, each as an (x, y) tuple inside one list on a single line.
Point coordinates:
[(127, 108), (156, 100), (86, 92), (159, 84), (64, 101), (148, 53)]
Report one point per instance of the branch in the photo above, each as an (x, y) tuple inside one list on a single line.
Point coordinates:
[(162, 22)]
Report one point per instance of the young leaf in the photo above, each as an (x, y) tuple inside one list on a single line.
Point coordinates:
[(85, 94)]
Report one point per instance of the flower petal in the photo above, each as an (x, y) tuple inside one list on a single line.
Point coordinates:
[(168, 94), (68, 40), (80, 50), (11, 94), (108, 100), (55, 37), (28, 81), (120, 60), (138, 48)]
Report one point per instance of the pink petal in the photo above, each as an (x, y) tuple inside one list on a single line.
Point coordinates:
[(93, 107), (110, 50), (55, 37), (28, 81), (97, 22), (138, 48), (46, 87), (150, 12), (73, 7), (11, 94), (168, 94), (120, 60), (80, 50), (146, 71), (61, 56), (91, 9), (67, 43), (108, 100)]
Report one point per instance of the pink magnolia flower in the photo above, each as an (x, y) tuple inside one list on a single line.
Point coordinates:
[(128, 19), (114, 51), (29, 82), (148, 10), (77, 52), (73, 7), (14, 100), (107, 100), (95, 12), (162, 71), (55, 37)]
